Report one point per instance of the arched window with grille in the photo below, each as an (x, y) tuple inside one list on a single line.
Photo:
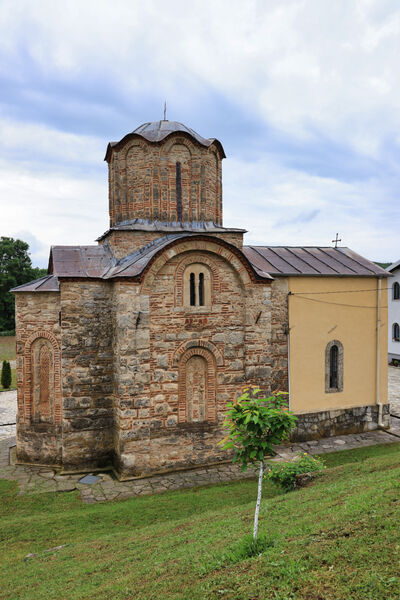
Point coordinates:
[(396, 332), (334, 366), (396, 290)]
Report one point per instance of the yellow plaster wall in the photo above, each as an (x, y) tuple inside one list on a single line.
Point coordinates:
[(316, 319)]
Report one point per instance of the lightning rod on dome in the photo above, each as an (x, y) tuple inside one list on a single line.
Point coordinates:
[(165, 110)]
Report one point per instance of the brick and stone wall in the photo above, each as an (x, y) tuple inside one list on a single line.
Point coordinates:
[(167, 353), (142, 181), (87, 373), (124, 243), (38, 353)]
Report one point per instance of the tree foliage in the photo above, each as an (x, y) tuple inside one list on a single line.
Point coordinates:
[(15, 269), (255, 426), (6, 375)]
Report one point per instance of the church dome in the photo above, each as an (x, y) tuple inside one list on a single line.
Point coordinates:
[(157, 131), (165, 171)]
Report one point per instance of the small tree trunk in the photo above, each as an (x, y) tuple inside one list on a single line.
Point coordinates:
[(260, 478)]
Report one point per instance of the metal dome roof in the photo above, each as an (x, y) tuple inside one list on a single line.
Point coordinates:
[(157, 131)]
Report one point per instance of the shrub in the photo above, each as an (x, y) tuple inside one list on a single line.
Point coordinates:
[(254, 426), (292, 474), (6, 375)]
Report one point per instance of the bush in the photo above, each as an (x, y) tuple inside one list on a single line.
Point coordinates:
[(10, 333), (292, 474), (6, 375)]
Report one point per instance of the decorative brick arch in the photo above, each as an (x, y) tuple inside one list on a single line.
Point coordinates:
[(29, 376), (181, 268), (212, 245), (209, 385), (138, 142), (198, 344), (173, 140)]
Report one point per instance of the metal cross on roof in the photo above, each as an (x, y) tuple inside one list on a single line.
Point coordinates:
[(335, 241)]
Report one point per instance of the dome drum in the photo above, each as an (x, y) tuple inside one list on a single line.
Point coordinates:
[(166, 173)]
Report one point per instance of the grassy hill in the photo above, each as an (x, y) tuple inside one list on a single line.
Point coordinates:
[(336, 539)]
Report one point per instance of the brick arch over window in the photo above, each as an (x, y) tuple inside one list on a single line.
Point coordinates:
[(191, 344), (197, 383), (334, 366), (42, 379), (214, 246), (180, 271)]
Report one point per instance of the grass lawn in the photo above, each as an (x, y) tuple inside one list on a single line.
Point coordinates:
[(336, 539), (7, 352), (7, 347)]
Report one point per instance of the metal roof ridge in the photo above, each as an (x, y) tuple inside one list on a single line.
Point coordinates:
[(289, 249), (358, 262), (322, 261), (281, 258), (42, 279), (346, 266)]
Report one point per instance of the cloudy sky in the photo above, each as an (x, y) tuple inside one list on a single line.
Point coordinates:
[(303, 94)]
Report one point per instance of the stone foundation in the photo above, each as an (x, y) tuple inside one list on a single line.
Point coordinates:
[(313, 426)]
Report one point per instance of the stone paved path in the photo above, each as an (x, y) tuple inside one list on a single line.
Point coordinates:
[(45, 479), (394, 390), (8, 413)]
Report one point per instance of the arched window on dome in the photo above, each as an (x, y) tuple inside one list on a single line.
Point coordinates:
[(178, 169), (396, 291)]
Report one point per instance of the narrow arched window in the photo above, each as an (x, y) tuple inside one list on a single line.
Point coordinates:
[(396, 291), (197, 286), (201, 289), (396, 332), (334, 367), (192, 289), (179, 191)]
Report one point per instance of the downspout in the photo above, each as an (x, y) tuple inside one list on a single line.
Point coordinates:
[(378, 353), (288, 345)]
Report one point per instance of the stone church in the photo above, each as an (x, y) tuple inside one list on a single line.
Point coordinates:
[(128, 351)]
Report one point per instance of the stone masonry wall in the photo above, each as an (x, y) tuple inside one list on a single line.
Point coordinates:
[(37, 321), (124, 243), (87, 373), (142, 181), (327, 423), (237, 339)]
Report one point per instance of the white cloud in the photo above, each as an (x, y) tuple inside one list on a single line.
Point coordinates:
[(311, 69), (301, 65), (52, 208), (284, 206), (40, 141)]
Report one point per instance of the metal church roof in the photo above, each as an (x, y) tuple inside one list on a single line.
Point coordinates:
[(157, 131), (267, 262), (311, 261)]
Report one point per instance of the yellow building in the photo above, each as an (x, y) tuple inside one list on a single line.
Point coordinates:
[(337, 337)]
